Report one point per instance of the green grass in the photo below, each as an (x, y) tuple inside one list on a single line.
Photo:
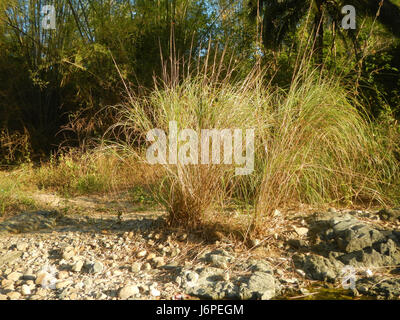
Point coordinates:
[(14, 197)]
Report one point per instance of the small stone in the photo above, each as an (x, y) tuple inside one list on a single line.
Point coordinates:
[(301, 231), (117, 272), (77, 267), (101, 296), (147, 266), (166, 249), (73, 296), (3, 297), (151, 256), (300, 272), (158, 261), (7, 284), (41, 292), (96, 267), (30, 283), (14, 276), (26, 290), (13, 295), (63, 284), (141, 253), (332, 210), (154, 292), (87, 283), (128, 291), (62, 275), (29, 277), (135, 267), (22, 246), (10, 257), (68, 253)]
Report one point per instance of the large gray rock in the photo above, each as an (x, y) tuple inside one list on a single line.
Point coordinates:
[(317, 267), (260, 285), (354, 242), (385, 288), (213, 283), (31, 221), (341, 240)]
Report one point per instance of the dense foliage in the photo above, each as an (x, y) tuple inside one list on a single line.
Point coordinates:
[(55, 83)]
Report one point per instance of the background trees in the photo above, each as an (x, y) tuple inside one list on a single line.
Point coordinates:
[(54, 83)]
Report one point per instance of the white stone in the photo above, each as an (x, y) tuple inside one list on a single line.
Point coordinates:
[(128, 291), (26, 290), (141, 254), (301, 231)]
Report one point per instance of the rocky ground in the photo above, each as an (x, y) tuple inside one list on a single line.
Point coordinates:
[(52, 255)]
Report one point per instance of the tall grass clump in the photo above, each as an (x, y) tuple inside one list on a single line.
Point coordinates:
[(202, 101), (321, 148), (313, 143)]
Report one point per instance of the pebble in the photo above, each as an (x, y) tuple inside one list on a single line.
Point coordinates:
[(141, 253), (22, 246), (14, 276), (68, 253), (135, 267), (6, 283), (14, 295), (63, 284), (118, 275), (154, 292), (77, 267), (96, 267), (158, 261), (62, 275), (146, 266), (117, 272), (151, 256), (29, 277), (301, 231), (26, 290), (300, 272), (128, 291)]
